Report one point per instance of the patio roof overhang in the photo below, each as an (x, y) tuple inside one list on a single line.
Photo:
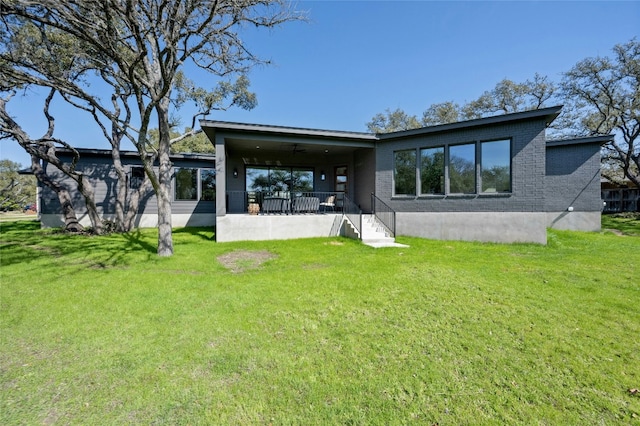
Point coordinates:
[(253, 139)]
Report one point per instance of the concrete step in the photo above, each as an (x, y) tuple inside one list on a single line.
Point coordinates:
[(373, 234)]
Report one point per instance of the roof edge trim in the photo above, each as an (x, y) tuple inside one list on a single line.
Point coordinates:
[(600, 139), (550, 113)]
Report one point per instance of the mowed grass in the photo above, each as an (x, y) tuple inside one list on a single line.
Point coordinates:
[(99, 330)]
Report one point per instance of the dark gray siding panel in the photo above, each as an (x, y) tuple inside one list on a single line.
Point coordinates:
[(528, 167), (102, 177), (573, 177), (364, 176)]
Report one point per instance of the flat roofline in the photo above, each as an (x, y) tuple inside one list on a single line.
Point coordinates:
[(284, 130), (600, 139), (134, 154)]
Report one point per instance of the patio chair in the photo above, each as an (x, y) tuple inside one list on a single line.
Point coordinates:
[(306, 205), (329, 203)]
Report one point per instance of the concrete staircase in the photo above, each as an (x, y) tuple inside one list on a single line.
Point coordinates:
[(374, 234)]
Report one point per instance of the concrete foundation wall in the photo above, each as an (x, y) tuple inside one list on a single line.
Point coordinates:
[(574, 221), (505, 227), (245, 227), (141, 221)]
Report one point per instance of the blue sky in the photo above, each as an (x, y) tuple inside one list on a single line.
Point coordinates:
[(354, 59)]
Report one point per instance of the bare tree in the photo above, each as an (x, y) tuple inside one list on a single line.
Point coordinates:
[(140, 47), (44, 148), (603, 96)]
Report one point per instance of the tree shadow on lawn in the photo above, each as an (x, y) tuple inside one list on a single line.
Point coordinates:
[(26, 242), (19, 226), (201, 232)]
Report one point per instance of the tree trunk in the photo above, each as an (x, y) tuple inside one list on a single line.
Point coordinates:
[(163, 193), (121, 191), (71, 222), (86, 189)]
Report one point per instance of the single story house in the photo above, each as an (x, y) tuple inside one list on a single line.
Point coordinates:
[(491, 179)]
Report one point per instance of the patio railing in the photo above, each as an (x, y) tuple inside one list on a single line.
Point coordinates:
[(282, 202), (354, 214), (385, 214)]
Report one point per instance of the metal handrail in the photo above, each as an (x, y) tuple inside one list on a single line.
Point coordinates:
[(384, 214), (353, 213), (288, 202)]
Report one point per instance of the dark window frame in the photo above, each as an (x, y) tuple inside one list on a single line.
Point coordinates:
[(509, 179), (472, 188), (198, 185), (401, 180), (442, 176)]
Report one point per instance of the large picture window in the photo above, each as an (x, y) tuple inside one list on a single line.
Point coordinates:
[(193, 184), (404, 172), (462, 169), (432, 170), (279, 179), (496, 166)]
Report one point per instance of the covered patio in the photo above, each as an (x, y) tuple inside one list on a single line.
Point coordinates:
[(276, 182)]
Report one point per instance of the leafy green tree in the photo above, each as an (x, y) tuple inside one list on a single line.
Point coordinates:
[(603, 96), (188, 141), (392, 121), (198, 143), (442, 113), (509, 97), (16, 191), (506, 97), (138, 49)]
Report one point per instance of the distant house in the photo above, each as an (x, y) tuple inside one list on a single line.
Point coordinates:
[(619, 197), (491, 179)]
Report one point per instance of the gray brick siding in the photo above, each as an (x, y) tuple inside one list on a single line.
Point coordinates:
[(573, 177), (527, 168)]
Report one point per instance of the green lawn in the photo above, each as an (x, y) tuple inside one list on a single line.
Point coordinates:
[(99, 330)]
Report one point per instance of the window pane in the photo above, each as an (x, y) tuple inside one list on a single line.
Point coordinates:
[(496, 166), (257, 179), (137, 177), (207, 184), (302, 180), (186, 184), (404, 172), (462, 169), (280, 180), (432, 170)]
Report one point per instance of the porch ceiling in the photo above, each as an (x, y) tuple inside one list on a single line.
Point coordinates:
[(257, 140), (300, 148)]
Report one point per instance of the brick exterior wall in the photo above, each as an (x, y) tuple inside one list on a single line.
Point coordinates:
[(573, 178), (527, 168)]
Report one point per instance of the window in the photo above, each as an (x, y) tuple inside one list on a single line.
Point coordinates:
[(186, 184), (432, 170), (195, 184), (207, 184), (279, 179), (404, 172), (496, 166), (136, 178), (462, 169)]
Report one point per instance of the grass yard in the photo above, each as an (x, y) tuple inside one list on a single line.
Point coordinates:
[(99, 330)]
